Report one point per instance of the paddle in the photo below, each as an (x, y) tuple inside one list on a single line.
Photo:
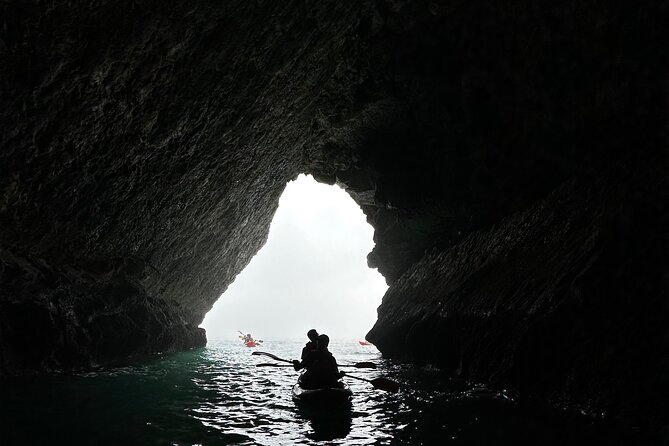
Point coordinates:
[(360, 365), (256, 353), (378, 383), (357, 365), (385, 384)]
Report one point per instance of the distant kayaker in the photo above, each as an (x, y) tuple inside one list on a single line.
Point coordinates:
[(321, 366), (248, 338)]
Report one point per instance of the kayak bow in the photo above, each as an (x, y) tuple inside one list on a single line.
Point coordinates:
[(324, 397)]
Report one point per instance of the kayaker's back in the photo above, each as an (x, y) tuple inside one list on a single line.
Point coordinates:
[(322, 370)]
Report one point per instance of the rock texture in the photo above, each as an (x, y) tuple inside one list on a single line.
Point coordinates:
[(553, 301), (511, 156)]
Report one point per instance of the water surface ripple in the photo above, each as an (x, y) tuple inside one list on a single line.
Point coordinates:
[(217, 396)]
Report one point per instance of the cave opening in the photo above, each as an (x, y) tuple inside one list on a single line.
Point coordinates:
[(312, 272)]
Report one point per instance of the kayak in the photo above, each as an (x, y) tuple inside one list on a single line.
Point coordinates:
[(248, 340), (329, 396), (364, 343)]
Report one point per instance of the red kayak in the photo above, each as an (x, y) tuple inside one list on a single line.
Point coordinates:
[(364, 343), (251, 344)]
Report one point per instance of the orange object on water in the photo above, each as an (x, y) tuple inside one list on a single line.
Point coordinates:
[(364, 343)]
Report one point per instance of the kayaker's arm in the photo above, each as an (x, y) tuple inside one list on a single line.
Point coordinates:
[(306, 362)]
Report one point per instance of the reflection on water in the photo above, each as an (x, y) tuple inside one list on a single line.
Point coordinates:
[(217, 396), (327, 426)]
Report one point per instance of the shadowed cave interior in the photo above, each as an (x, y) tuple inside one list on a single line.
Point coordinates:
[(511, 157)]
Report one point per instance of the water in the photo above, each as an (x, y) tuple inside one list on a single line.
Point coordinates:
[(217, 396)]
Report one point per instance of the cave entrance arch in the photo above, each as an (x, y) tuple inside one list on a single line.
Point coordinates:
[(312, 272)]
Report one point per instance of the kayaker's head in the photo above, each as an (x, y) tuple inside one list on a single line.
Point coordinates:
[(312, 335), (323, 341)]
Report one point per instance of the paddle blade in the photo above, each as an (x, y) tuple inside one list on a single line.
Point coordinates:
[(386, 385), (269, 355), (364, 365)]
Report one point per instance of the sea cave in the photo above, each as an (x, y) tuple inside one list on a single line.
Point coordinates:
[(511, 157)]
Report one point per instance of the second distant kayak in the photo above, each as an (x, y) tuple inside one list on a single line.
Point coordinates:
[(364, 343)]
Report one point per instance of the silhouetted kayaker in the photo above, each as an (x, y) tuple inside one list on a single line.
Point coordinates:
[(311, 345), (321, 367)]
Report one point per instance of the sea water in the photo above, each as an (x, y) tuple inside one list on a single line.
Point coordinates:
[(218, 396)]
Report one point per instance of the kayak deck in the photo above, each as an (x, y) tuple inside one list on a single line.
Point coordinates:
[(329, 396)]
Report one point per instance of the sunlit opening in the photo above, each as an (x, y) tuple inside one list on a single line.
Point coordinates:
[(311, 273)]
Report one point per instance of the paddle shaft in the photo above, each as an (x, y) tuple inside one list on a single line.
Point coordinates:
[(380, 383), (357, 377), (357, 366)]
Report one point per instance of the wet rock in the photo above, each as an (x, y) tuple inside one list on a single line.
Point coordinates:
[(552, 301), (54, 319)]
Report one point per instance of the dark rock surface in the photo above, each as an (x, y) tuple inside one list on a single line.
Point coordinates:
[(551, 301), (511, 156), (75, 317)]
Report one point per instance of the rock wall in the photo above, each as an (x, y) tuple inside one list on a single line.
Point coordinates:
[(564, 301), (144, 149), (511, 156)]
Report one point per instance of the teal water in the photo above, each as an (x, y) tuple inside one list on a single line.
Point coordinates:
[(217, 396)]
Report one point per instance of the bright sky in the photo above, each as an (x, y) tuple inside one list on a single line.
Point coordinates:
[(311, 273)]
